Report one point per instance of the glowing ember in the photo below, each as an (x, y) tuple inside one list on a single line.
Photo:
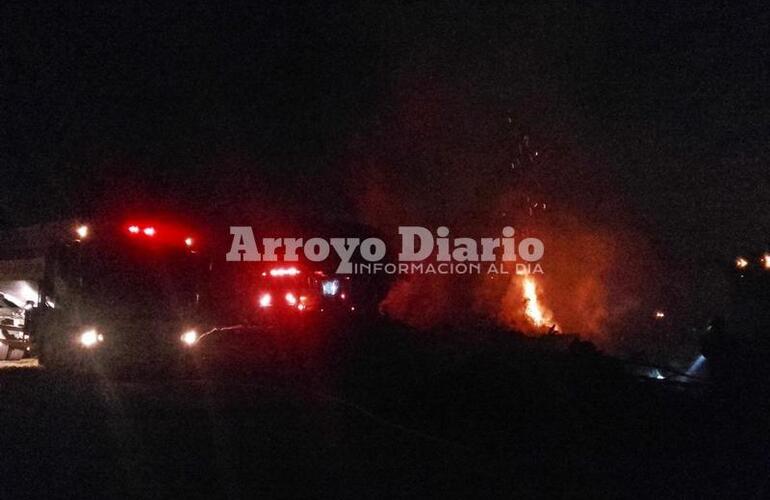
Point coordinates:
[(535, 312)]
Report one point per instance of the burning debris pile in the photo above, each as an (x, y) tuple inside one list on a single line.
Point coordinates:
[(591, 265), (536, 313)]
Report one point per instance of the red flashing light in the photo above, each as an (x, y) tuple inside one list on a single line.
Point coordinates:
[(159, 233)]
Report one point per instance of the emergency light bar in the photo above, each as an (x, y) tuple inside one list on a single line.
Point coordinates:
[(284, 271)]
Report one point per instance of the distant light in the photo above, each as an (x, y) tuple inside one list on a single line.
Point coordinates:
[(189, 337), (342, 296), (188, 241), (149, 231), (265, 300), (660, 315), (291, 299), (330, 287), (766, 260), (301, 307), (284, 271), (741, 263), (82, 231), (133, 229)]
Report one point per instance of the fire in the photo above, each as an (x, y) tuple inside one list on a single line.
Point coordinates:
[(538, 315)]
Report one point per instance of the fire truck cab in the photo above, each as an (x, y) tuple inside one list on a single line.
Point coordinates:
[(114, 295)]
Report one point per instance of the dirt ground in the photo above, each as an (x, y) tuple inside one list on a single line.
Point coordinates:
[(395, 419)]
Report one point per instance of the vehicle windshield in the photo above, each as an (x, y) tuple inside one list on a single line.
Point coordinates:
[(284, 281), (141, 281)]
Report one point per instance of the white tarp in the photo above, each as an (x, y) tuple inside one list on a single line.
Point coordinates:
[(20, 291)]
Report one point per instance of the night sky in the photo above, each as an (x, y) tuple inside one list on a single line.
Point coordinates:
[(665, 107)]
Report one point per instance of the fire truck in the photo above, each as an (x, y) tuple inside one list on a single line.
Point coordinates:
[(143, 295), (107, 294)]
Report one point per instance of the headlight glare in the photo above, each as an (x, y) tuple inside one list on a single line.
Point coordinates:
[(90, 338)]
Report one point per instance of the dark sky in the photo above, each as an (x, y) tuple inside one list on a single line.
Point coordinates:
[(670, 103)]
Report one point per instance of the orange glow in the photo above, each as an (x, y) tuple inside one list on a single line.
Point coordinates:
[(660, 315), (284, 271), (766, 260), (534, 311), (741, 263)]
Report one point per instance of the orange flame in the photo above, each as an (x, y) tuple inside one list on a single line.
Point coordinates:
[(538, 315)]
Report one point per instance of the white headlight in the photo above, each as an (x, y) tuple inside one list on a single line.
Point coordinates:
[(82, 231), (189, 337), (330, 287), (90, 338)]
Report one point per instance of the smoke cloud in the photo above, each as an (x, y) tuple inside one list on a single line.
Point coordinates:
[(443, 157)]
